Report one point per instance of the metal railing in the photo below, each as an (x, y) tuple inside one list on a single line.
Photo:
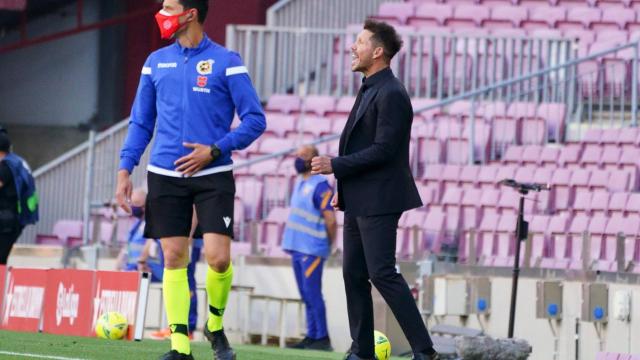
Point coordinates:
[(321, 13), (318, 61)]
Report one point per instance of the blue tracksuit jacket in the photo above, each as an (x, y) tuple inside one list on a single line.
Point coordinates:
[(190, 95)]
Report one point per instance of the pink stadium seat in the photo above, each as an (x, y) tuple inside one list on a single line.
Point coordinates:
[(315, 125), (419, 104), (580, 17), (471, 211), (597, 227), (543, 176), (580, 180), (489, 201), (505, 240), (549, 157), (582, 203), (540, 247), (531, 154), (451, 175), (485, 239), (455, 151), (506, 16), (618, 203), (345, 104), (633, 205), (599, 203), (249, 190), (629, 160), (593, 136), (272, 227), (555, 114), (578, 226), (628, 137), (465, 15), (561, 190), (570, 155), (509, 200), (614, 18), (411, 229), (431, 14), (612, 36), (283, 103), (505, 172), (620, 180), (513, 155), (432, 151), (276, 191), (280, 124), (396, 13), (599, 180), (273, 145), (558, 246), (469, 176), (319, 104), (610, 157), (591, 156), (434, 228), (493, 108), (544, 16), (525, 174), (487, 177)]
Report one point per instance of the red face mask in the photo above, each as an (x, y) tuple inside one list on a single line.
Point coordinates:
[(168, 23)]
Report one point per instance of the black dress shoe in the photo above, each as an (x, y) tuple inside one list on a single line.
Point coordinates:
[(422, 356), (352, 356), (323, 344), (219, 344), (174, 355), (302, 344)]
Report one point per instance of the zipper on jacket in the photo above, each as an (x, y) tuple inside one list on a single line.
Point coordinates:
[(185, 84)]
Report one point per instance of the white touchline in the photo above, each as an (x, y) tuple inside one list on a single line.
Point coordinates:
[(36, 356)]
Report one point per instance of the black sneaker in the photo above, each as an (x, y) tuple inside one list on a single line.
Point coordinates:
[(219, 344), (302, 344), (174, 355), (323, 344)]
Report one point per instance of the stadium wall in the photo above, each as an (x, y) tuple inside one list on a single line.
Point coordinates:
[(52, 83)]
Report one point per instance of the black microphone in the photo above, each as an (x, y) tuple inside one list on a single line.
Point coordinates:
[(524, 186)]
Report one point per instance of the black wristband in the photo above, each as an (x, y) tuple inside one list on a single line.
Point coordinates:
[(215, 152)]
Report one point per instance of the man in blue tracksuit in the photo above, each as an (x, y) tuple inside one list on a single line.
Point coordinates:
[(188, 94), (308, 235)]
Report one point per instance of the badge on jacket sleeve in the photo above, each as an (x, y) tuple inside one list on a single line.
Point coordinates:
[(205, 67)]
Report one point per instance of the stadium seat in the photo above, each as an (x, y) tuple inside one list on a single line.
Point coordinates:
[(320, 105), (469, 176), (505, 240), (471, 210), (544, 17), (395, 13), (540, 247), (485, 243), (597, 259), (283, 103), (559, 246), (582, 204), (561, 190), (272, 227), (430, 14)]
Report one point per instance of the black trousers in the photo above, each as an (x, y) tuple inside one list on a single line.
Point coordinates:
[(7, 239), (369, 255)]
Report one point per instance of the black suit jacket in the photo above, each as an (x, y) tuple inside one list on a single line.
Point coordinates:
[(373, 173)]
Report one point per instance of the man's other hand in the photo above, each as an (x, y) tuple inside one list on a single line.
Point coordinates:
[(321, 165), (195, 161), (123, 190)]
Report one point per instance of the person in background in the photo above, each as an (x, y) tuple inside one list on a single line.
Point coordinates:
[(18, 198), (308, 237)]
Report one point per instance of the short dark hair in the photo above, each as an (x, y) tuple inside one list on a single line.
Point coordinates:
[(201, 5), (5, 143), (386, 36)]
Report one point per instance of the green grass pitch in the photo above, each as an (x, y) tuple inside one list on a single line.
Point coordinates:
[(15, 345)]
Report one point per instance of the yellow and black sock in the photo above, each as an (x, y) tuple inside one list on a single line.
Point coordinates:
[(175, 289), (218, 288)]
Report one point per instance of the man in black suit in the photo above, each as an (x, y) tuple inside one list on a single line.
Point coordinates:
[(375, 186)]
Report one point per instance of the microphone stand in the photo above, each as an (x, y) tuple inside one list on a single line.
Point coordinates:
[(522, 231)]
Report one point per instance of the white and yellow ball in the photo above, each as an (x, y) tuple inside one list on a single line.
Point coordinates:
[(112, 325), (382, 346)]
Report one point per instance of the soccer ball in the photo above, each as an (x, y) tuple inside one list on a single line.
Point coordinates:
[(112, 325), (382, 346)]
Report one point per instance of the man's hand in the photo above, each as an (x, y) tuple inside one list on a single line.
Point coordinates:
[(334, 201), (321, 165), (196, 160), (123, 190)]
